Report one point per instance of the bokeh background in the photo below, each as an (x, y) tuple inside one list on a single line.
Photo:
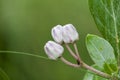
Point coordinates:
[(25, 26)]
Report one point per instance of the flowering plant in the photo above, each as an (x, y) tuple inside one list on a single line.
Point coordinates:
[(105, 52)]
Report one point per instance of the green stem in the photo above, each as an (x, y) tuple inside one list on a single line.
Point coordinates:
[(23, 53), (4, 75)]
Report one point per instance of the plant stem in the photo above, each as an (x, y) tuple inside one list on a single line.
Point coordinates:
[(116, 33), (68, 63), (23, 53), (76, 51), (97, 72), (71, 52), (82, 64)]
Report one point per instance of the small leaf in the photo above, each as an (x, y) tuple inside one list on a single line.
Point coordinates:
[(110, 68), (91, 76), (101, 53)]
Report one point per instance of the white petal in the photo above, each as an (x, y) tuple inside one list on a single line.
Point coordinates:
[(69, 33), (57, 33), (53, 50)]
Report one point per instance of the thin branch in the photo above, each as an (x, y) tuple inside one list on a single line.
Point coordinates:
[(84, 65), (23, 53), (69, 63), (76, 51), (71, 52), (97, 72)]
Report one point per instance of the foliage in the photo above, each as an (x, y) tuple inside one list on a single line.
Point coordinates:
[(102, 54), (106, 16)]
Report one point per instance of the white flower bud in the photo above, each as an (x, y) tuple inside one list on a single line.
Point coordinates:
[(53, 50), (57, 34), (70, 34)]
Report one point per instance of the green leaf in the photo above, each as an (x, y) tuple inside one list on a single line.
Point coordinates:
[(110, 68), (106, 14), (101, 53), (91, 76)]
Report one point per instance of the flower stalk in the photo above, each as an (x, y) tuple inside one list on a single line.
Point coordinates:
[(69, 63), (77, 53), (71, 52)]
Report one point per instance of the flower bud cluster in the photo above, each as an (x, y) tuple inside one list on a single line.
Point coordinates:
[(68, 34), (61, 34)]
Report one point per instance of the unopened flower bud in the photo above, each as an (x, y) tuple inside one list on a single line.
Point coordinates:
[(70, 34), (57, 34), (53, 50)]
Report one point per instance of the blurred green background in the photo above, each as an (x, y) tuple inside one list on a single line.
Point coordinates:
[(25, 26)]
